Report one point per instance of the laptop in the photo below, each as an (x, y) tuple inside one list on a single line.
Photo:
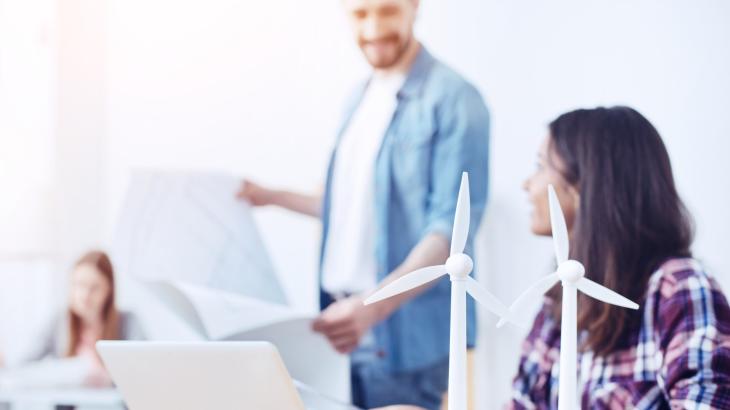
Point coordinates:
[(207, 375)]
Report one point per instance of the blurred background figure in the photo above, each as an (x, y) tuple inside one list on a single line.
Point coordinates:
[(388, 207), (92, 315)]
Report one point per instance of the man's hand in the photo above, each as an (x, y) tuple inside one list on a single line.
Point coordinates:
[(255, 194), (346, 321)]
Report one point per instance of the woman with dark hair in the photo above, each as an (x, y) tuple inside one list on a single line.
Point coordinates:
[(630, 229), (92, 315)]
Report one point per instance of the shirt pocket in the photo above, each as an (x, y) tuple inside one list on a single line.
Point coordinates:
[(412, 129), (406, 143), (411, 165)]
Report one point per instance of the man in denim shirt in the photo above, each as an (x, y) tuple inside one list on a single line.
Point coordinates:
[(388, 208)]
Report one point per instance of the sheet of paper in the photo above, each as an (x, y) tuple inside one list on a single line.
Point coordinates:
[(223, 315), (163, 314), (188, 226), (191, 254), (308, 356)]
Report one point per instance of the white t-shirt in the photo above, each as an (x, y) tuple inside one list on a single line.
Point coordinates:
[(349, 264)]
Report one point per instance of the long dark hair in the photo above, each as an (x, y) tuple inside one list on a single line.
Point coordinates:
[(630, 218)]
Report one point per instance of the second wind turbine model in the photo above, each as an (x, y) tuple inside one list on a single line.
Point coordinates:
[(572, 275)]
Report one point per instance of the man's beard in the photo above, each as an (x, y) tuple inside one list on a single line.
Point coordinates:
[(402, 46)]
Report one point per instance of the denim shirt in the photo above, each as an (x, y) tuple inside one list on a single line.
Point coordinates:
[(439, 129)]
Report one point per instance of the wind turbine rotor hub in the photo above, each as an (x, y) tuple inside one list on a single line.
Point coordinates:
[(459, 265), (571, 271)]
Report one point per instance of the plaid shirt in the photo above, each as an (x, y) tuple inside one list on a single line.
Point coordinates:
[(678, 359)]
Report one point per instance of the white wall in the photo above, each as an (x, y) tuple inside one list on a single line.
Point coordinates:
[(80, 160), (255, 88), (27, 123), (27, 142)]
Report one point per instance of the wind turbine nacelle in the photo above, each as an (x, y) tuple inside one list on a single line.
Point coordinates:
[(459, 265), (571, 271)]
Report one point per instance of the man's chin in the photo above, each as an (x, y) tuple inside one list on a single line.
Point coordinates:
[(381, 62)]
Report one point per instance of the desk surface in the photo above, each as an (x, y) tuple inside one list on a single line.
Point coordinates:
[(68, 397), (111, 399)]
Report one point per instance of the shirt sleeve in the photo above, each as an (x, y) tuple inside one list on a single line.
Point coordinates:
[(461, 144), (693, 333)]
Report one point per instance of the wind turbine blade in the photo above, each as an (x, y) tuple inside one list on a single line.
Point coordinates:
[(532, 293), (604, 294), (461, 219), (407, 282), (560, 230), (485, 298)]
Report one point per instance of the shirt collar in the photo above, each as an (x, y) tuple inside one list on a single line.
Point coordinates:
[(417, 74)]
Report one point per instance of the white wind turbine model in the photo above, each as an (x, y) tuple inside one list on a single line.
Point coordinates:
[(571, 274), (458, 267)]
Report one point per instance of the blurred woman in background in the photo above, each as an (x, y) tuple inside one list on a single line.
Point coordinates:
[(92, 315)]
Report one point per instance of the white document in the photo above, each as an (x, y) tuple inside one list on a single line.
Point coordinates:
[(185, 226), (191, 257), (221, 315)]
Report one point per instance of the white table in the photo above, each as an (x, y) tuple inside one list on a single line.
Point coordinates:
[(48, 399)]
